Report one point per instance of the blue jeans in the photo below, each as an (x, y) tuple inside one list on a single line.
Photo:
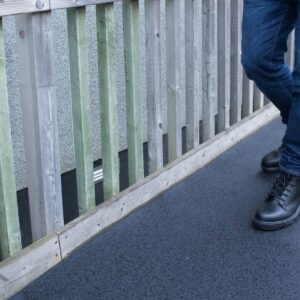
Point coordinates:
[(265, 29)]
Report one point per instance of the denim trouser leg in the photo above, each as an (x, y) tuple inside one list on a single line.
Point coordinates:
[(290, 161), (266, 27)]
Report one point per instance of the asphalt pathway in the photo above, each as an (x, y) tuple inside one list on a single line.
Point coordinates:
[(195, 241)]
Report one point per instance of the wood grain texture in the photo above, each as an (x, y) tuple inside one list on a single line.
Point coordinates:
[(36, 69), (153, 80), (10, 236), (108, 97), (236, 75), (78, 53), (247, 101), (210, 71), (223, 64), (13, 7), (193, 70), (175, 96), (19, 271), (258, 98), (56, 4), (85, 227), (133, 90)]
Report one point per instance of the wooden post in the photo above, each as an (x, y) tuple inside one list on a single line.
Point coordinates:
[(258, 98), (133, 93), (153, 79), (108, 87), (236, 75), (193, 70), (210, 72), (223, 64), (78, 50), (174, 71), (9, 218), (36, 68), (247, 101)]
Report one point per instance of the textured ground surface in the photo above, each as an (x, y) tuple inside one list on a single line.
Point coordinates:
[(194, 242)]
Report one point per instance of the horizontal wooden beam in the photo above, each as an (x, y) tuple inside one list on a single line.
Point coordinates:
[(55, 4), (14, 7), (20, 270)]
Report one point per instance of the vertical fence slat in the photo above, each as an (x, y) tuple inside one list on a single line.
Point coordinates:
[(236, 67), (133, 93), (290, 55), (78, 53), (9, 217), (174, 90), (258, 98), (108, 87), (248, 89), (193, 70), (209, 67), (36, 69), (153, 79), (223, 64)]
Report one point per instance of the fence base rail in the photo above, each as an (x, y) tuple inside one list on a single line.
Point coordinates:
[(32, 262)]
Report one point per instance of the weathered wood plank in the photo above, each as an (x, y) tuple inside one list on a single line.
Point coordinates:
[(175, 96), (223, 65), (133, 91), (13, 7), (258, 98), (247, 101), (9, 221), (210, 72), (78, 53), (236, 74), (85, 227), (193, 70), (36, 63), (55, 4), (153, 80), (108, 87), (19, 271)]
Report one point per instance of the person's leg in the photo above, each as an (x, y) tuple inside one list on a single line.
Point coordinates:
[(290, 161), (264, 43), (266, 26)]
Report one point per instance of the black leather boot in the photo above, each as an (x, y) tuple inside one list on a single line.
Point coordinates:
[(270, 162), (282, 206)]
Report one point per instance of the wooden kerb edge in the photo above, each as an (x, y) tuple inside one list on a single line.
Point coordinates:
[(19, 271)]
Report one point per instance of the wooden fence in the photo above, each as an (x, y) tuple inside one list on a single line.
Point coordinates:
[(222, 107)]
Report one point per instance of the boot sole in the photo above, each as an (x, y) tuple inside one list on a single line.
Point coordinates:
[(271, 226), (270, 170)]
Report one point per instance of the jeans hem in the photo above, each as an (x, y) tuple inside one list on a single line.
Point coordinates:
[(295, 173)]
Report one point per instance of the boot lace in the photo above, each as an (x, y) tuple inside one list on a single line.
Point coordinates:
[(282, 187)]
